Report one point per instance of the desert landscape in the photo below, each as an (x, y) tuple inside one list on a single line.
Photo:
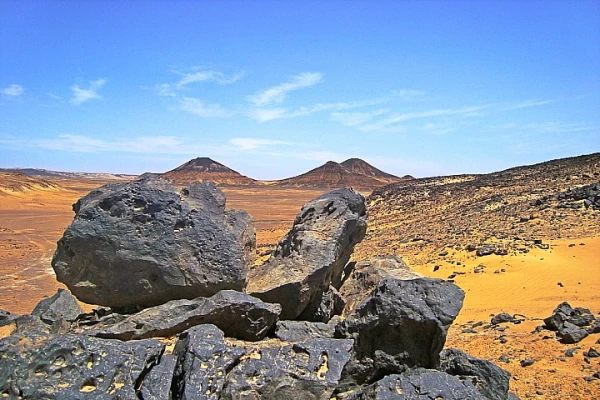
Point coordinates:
[(520, 241)]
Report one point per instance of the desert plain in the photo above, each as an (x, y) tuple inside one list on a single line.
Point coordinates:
[(528, 280)]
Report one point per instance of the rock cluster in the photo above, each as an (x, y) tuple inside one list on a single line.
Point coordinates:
[(571, 324), (311, 327)]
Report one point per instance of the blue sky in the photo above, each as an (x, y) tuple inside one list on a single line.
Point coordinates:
[(274, 88)]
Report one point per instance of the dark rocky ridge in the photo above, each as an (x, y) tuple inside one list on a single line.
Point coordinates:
[(507, 210)]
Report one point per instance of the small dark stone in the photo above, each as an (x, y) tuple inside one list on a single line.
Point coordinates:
[(485, 251), (436, 267), (468, 331), (571, 351), (526, 363), (61, 305), (571, 333), (592, 353), (443, 253), (504, 358)]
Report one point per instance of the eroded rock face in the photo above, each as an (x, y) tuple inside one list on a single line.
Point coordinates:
[(312, 256), (143, 243), (203, 362), (307, 370), (74, 367), (237, 314), (362, 277), (405, 319)]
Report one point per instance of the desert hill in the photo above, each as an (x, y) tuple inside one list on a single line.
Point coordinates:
[(361, 167), (44, 173), (507, 209), (353, 172), (15, 182), (204, 168)]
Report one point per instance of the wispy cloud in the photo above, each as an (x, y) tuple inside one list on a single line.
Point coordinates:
[(527, 104), (206, 76), (81, 95), (276, 94), (13, 90), (355, 119), (194, 76), (270, 114), (391, 122), (197, 107), (408, 94)]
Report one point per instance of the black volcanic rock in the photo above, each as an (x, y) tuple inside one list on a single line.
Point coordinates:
[(310, 369), (312, 256), (61, 305), (74, 367), (489, 379), (405, 319), (143, 243), (237, 314)]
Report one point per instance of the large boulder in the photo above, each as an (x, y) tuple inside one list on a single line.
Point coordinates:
[(362, 277), (237, 314), (74, 367), (310, 259), (143, 243), (405, 319)]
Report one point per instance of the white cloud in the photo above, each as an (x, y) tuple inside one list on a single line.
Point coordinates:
[(267, 114), (82, 95), (276, 94), (206, 76), (166, 90), (13, 90), (197, 107)]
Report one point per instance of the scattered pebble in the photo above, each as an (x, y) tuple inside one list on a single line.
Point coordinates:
[(527, 362), (571, 351)]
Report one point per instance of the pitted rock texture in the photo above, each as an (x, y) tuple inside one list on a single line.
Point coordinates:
[(307, 370), (312, 256), (143, 243), (405, 319), (74, 367)]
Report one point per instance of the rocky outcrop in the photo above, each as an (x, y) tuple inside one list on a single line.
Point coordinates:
[(143, 243), (570, 323), (235, 313), (362, 277), (226, 346), (312, 256)]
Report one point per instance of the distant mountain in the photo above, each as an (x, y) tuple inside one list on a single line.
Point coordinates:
[(206, 169), (44, 173), (361, 167), (355, 173), (17, 182)]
